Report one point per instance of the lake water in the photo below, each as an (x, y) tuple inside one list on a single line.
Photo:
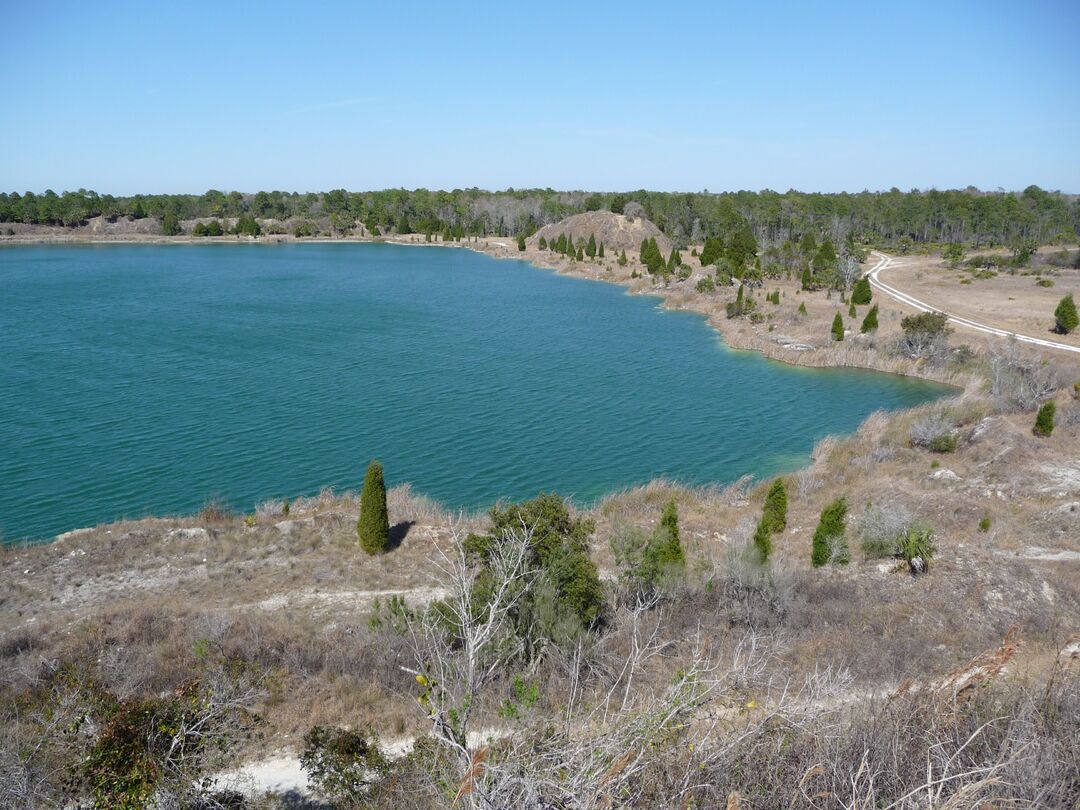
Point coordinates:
[(142, 380)]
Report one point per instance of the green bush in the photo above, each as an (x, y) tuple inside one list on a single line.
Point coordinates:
[(569, 594), (1044, 420), (945, 443), (802, 308), (828, 543), (1065, 317), (984, 524), (861, 293), (916, 548), (870, 322), (852, 312), (763, 540), (373, 527), (706, 285), (838, 328), (342, 765), (521, 241), (774, 512)]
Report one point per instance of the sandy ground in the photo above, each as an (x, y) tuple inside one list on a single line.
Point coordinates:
[(1011, 302)]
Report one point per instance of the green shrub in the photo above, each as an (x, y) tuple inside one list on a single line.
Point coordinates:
[(373, 527), (870, 322), (774, 512), (763, 540), (1065, 317), (802, 308), (521, 242), (946, 443), (1044, 420), (569, 594), (341, 764), (1045, 282), (706, 285), (838, 328), (916, 548), (984, 524), (852, 312), (861, 293), (829, 536)]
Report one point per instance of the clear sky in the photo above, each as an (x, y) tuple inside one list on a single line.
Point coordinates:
[(182, 97)]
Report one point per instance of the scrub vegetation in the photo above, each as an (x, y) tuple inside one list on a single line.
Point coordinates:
[(894, 625)]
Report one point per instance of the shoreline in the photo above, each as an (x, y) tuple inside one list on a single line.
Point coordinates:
[(737, 339), (734, 339)]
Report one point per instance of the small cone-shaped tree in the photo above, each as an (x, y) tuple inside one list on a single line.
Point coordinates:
[(543, 243), (1065, 316), (851, 311), (838, 327), (669, 519), (580, 255), (763, 540), (861, 292), (590, 246), (601, 254), (373, 528), (802, 308), (521, 241), (774, 512), (1044, 420), (869, 323), (830, 527)]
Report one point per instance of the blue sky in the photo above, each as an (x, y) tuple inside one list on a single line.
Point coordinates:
[(182, 97)]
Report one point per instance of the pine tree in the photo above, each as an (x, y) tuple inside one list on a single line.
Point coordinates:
[(774, 513), (623, 261), (807, 279), (521, 241), (763, 541), (861, 293), (830, 531), (590, 247), (669, 520), (870, 323), (1065, 315), (373, 528), (543, 243), (580, 255), (838, 328), (1044, 420), (601, 253), (852, 313)]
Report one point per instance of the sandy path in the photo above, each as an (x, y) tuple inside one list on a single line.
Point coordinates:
[(885, 262)]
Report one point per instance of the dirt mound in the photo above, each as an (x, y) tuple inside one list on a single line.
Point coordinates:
[(616, 231)]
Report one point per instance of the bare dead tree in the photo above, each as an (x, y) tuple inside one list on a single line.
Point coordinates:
[(463, 644)]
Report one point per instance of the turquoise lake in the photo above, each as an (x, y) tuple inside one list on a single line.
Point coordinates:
[(143, 380)]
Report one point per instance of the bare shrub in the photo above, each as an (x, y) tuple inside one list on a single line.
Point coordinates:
[(1019, 379), (935, 431), (749, 594), (1069, 415), (880, 525), (807, 481), (268, 510)]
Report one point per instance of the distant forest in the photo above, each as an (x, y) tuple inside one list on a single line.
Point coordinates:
[(969, 216)]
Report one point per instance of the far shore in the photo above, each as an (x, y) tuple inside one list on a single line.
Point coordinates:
[(738, 334)]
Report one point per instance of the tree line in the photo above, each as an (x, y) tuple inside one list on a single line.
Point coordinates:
[(894, 218)]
